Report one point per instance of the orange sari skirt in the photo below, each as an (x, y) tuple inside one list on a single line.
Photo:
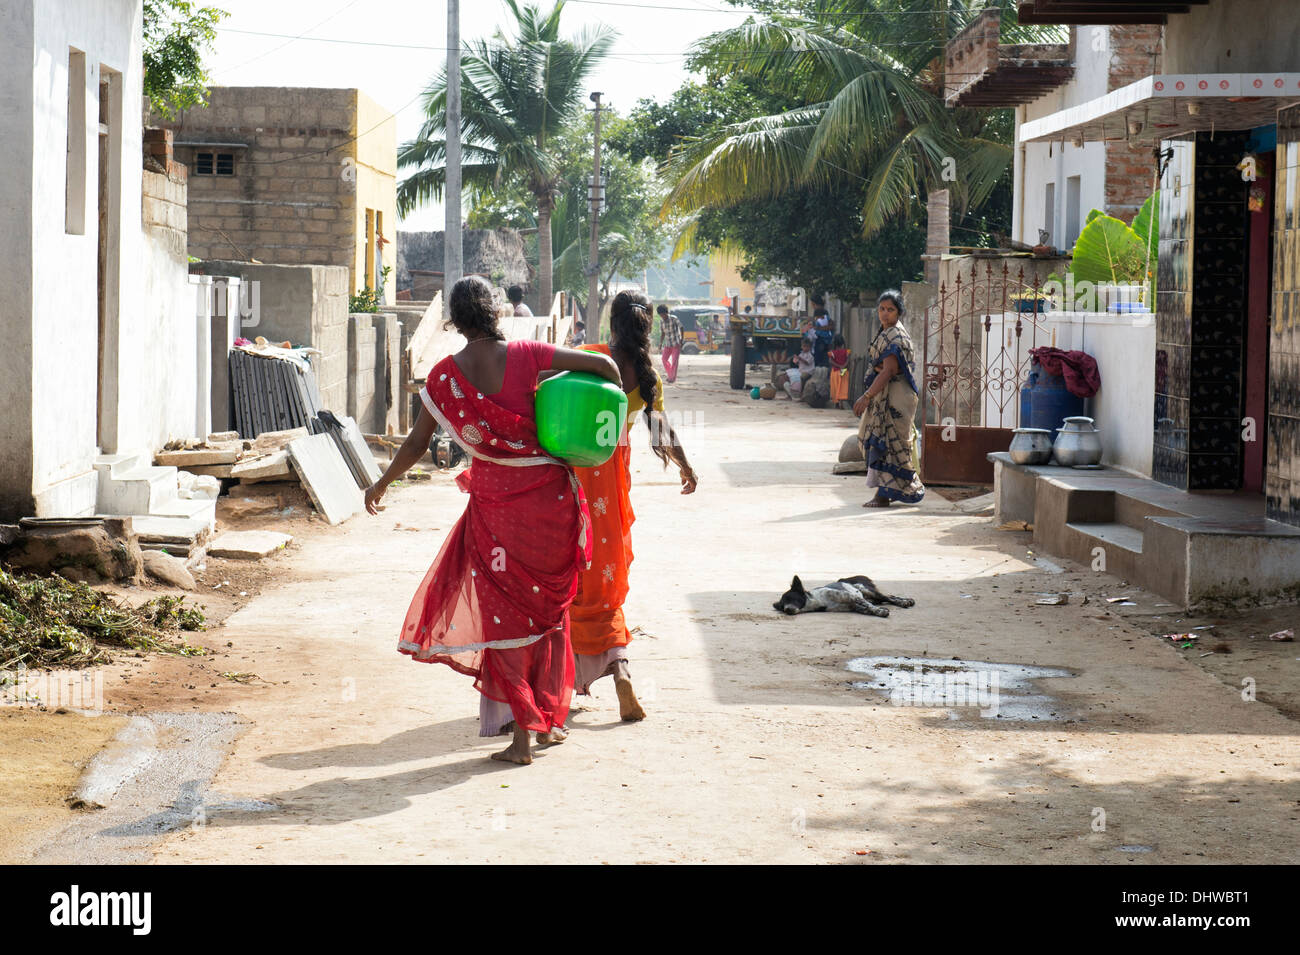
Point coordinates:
[(596, 614)]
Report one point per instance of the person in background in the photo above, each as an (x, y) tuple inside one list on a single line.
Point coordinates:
[(806, 360), (791, 380), (822, 332), (495, 603), (888, 408), (670, 342), (839, 356), (516, 296), (579, 334)]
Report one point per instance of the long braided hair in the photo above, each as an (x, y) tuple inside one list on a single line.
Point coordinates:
[(629, 325)]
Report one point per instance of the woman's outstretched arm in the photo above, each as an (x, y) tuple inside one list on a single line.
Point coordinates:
[(664, 437), (592, 362), (413, 448)]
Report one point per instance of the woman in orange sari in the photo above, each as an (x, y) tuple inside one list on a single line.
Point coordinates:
[(598, 630)]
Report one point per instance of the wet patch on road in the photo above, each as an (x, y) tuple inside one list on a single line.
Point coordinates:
[(965, 688), (161, 789)]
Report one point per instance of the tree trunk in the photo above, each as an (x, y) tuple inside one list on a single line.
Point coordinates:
[(544, 253)]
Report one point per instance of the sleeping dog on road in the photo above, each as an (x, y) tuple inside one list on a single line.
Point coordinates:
[(848, 594)]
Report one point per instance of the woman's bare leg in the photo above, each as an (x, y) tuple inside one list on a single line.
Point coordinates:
[(629, 709), (520, 751)]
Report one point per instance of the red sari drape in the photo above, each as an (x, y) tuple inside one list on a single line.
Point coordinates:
[(495, 602)]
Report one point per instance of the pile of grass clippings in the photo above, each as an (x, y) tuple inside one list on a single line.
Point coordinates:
[(49, 622)]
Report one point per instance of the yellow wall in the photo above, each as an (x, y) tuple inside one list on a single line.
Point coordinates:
[(724, 271), (375, 154)]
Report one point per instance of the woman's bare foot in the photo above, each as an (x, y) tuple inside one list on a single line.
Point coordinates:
[(556, 734), (520, 751), (878, 502), (629, 709)]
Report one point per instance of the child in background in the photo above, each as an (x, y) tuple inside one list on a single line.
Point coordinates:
[(792, 380), (805, 358), (839, 372)]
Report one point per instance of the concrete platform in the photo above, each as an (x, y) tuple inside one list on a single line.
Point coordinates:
[(1189, 548)]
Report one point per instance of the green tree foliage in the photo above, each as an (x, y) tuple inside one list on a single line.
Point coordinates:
[(810, 236), (177, 33), (863, 114), (631, 235), (813, 238), (518, 92)]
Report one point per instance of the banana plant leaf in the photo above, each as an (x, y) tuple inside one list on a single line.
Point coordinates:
[(1147, 225), (1108, 251)]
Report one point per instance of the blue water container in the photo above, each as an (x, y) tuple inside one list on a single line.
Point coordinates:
[(1045, 402)]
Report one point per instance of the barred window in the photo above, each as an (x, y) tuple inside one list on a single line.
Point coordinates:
[(214, 164)]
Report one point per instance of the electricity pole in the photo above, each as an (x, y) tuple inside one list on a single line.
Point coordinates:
[(452, 251), (595, 194)]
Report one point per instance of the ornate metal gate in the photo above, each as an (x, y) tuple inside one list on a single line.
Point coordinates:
[(977, 339)]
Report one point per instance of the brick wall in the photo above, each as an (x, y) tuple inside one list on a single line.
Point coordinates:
[(330, 335), (306, 305), (163, 211), (1134, 53), (361, 371), (291, 200)]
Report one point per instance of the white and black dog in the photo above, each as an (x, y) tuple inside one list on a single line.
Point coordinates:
[(848, 594)]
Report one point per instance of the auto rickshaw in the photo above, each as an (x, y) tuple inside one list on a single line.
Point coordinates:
[(703, 329)]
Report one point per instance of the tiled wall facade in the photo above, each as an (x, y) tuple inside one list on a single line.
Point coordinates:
[(1174, 317), (1282, 478), (1201, 315), (1218, 313)]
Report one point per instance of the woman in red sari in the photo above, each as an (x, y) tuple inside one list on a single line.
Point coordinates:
[(494, 605), (599, 633)]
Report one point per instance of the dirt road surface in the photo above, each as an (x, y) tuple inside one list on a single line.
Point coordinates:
[(758, 746)]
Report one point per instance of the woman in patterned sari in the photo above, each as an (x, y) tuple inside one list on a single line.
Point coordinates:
[(600, 634), (494, 605), (888, 408)]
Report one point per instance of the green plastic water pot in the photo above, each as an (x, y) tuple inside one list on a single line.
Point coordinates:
[(580, 417)]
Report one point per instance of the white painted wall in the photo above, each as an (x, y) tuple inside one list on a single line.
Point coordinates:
[(157, 394), (48, 287), (1124, 347), (63, 276), (16, 96), (1037, 164)]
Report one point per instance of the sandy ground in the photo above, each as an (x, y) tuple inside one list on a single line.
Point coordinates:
[(42, 755), (758, 747)]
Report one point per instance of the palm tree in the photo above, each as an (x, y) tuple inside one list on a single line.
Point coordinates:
[(870, 73), (516, 94)]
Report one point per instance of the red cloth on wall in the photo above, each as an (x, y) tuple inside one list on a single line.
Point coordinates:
[(1079, 369)]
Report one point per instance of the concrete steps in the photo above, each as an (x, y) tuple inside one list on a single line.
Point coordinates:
[(131, 486), (1190, 548), (1111, 534)]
